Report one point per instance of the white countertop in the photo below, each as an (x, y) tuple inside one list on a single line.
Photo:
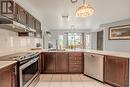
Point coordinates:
[(6, 63), (111, 53)]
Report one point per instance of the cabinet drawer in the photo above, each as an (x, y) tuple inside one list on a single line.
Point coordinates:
[(75, 62), (75, 54), (75, 58), (75, 68)]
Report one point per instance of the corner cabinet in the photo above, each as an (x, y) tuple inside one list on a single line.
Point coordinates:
[(8, 76), (117, 71)]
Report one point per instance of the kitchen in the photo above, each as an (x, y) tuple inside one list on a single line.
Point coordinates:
[(47, 43)]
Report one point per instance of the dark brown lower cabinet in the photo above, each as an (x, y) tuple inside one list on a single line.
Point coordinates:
[(8, 76), (62, 62), (49, 62), (75, 62), (42, 65), (116, 71)]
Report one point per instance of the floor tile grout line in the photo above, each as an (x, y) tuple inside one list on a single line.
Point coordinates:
[(71, 80), (50, 80), (79, 78), (81, 81), (60, 79)]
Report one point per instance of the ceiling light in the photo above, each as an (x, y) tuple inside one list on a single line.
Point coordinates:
[(84, 10)]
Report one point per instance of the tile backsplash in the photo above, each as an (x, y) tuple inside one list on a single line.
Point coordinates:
[(10, 41)]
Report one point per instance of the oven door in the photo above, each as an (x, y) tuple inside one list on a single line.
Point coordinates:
[(28, 72)]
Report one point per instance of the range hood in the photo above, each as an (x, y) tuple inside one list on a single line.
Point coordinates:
[(6, 23)]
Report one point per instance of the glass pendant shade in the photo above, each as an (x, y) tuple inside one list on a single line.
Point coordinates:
[(84, 10)]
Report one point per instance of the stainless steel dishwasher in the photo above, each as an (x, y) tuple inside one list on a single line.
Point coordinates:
[(93, 65)]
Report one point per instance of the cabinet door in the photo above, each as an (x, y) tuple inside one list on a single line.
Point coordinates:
[(31, 21), (21, 14), (8, 77), (38, 29), (116, 71), (50, 62), (62, 62)]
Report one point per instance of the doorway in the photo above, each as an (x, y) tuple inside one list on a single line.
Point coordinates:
[(100, 40)]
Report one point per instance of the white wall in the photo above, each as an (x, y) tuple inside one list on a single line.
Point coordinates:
[(115, 45), (9, 41)]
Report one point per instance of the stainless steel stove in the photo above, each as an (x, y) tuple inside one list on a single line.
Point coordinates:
[(28, 66)]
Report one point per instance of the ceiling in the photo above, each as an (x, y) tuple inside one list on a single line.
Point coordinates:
[(51, 12)]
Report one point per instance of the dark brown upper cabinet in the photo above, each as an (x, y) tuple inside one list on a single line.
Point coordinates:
[(116, 71), (38, 32), (31, 21), (21, 14), (11, 10)]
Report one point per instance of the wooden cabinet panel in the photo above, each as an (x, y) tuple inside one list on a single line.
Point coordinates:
[(8, 77), (38, 29), (73, 68), (62, 62), (116, 71), (50, 60), (21, 14), (75, 62), (42, 63), (75, 54), (31, 21), (41, 57)]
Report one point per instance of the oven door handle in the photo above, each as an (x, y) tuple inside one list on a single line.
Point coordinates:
[(28, 63)]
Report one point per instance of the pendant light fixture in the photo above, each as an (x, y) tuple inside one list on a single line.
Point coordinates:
[(84, 10)]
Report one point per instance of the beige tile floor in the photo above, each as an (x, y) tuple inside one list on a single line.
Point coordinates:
[(68, 80)]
